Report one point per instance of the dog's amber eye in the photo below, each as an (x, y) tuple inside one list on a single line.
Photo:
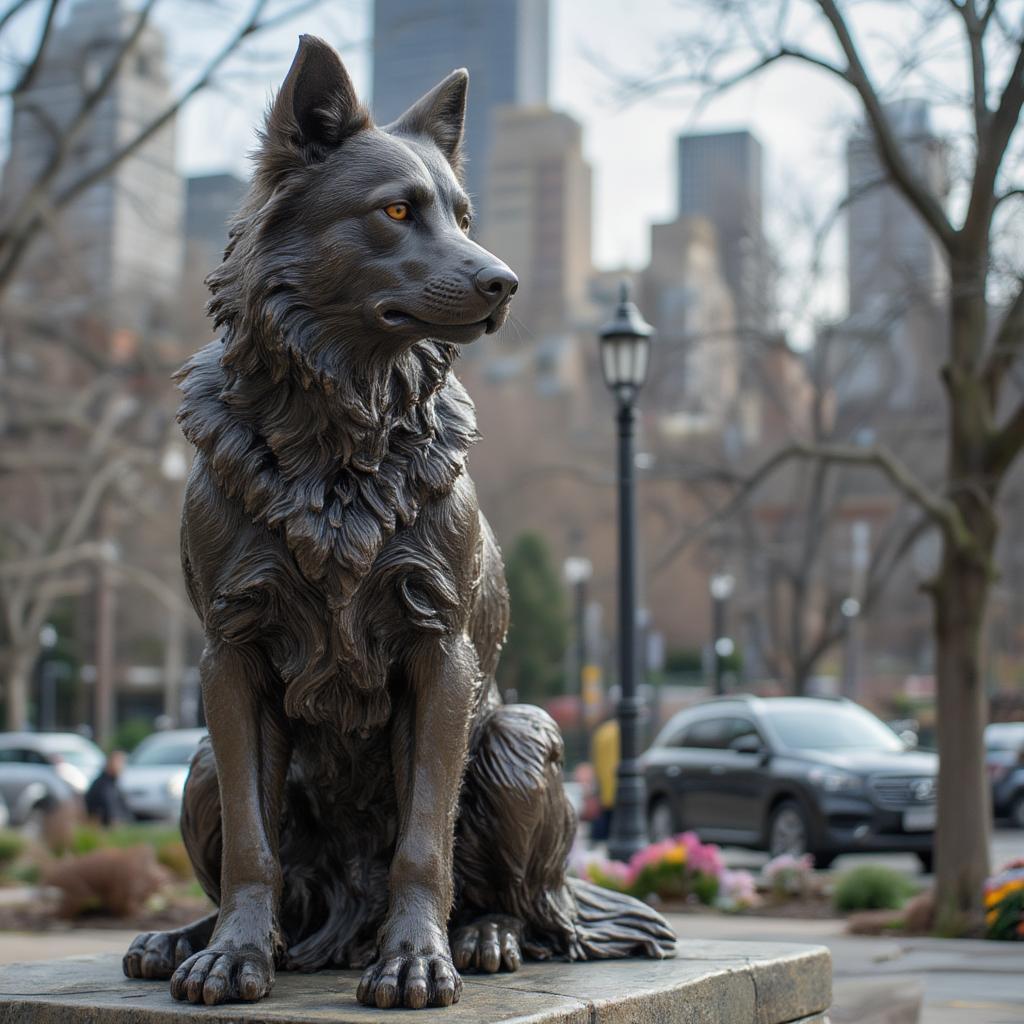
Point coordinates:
[(397, 211), (465, 223)]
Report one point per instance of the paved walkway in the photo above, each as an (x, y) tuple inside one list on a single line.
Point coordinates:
[(962, 981)]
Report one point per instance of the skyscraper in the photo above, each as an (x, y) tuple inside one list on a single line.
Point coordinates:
[(211, 200), (115, 251), (690, 305), (893, 259), (538, 196), (720, 178), (896, 273), (503, 43)]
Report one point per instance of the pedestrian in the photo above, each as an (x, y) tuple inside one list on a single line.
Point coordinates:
[(103, 799), (604, 753)]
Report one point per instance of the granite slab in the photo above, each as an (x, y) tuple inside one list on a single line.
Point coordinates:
[(707, 983)]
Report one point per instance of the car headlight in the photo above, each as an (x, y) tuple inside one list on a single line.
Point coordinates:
[(834, 781), (176, 784)]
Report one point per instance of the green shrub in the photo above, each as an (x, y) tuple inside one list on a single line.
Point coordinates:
[(872, 887), (172, 854), (11, 848), (26, 872), (158, 835), (87, 838), (130, 734)]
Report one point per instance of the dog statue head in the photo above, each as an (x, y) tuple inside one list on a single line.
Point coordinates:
[(354, 237)]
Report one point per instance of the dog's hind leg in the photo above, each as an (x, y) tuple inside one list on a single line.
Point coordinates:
[(514, 834)]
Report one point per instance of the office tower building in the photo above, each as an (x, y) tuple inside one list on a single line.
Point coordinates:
[(894, 261), (503, 43), (538, 195), (114, 252), (720, 179)]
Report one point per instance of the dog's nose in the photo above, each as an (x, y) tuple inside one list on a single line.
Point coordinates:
[(497, 282)]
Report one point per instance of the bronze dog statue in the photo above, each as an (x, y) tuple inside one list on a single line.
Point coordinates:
[(364, 790)]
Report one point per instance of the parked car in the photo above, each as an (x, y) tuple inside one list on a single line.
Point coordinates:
[(40, 768), (791, 775), (1004, 756), (154, 777)]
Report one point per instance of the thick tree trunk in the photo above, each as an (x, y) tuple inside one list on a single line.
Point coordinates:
[(960, 596), (965, 812)]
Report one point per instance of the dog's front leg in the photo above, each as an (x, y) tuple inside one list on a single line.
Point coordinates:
[(414, 966), (250, 744)]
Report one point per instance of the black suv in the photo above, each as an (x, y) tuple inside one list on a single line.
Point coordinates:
[(791, 775)]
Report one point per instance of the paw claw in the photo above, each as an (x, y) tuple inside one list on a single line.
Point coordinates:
[(489, 945), (217, 976), (411, 981)]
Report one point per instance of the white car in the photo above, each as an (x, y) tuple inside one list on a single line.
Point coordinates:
[(154, 777), (74, 759)]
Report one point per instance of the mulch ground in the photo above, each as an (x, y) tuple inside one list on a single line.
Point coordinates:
[(38, 917)]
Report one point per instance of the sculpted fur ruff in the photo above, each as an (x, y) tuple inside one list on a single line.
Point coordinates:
[(366, 800)]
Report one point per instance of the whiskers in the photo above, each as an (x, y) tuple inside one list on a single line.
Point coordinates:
[(515, 330)]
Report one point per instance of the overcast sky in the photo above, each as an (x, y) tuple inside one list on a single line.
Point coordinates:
[(799, 116)]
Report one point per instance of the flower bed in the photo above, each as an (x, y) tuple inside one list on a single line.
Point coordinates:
[(1004, 903), (682, 868)]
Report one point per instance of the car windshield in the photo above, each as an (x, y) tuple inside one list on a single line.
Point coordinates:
[(165, 752), (830, 727), (79, 753), (80, 757)]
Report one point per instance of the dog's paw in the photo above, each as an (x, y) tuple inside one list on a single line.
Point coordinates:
[(153, 955), (410, 981), (489, 944), (223, 975)]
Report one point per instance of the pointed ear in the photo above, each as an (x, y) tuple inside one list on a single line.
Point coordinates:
[(440, 115), (316, 107)]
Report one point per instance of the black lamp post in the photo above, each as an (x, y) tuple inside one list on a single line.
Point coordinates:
[(625, 351), (721, 587)]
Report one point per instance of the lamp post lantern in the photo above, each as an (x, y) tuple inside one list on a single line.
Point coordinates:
[(577, 572), (625, 351)]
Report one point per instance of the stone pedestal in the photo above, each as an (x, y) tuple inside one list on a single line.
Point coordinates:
[(707, 983)]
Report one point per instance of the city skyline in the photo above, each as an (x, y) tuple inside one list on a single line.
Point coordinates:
[(630, 146)]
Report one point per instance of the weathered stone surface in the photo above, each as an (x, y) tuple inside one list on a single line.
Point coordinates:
[(708, 983)]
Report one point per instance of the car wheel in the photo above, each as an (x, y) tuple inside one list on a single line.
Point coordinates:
[(788, 831), (823, 861), (1017, 811), (659, 821), (927, 859)]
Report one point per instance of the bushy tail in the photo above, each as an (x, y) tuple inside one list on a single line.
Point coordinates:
[(611, 924)]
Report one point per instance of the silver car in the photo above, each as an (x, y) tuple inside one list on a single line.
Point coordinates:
[(40, 768), (154, 777)]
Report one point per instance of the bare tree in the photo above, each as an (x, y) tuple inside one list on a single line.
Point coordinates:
[(985, 432), (84, 431)]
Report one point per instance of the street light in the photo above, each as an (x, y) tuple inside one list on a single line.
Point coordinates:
[(721, 586), (850, 610), (625, 353), (577, 572)]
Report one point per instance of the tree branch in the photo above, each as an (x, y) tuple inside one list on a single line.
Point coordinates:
[(992, 146), (30, 72), (1007, 347), (1007, 444), (252, 24), (12, 12), (937, 508), (888, 147)]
